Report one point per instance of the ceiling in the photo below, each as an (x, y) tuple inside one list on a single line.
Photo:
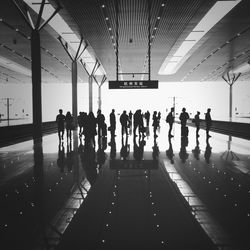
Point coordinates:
[(95, 21)]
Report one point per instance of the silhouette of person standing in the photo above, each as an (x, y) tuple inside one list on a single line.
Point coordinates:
[(141, 123), (90, 129), (100, 119), (112, 123), (159, 119), (147, 117), (184, 116), (69, 124), (170, 121), (155, 123), (136, 121), (208, 121), (80, 123), (130, 116), (60, 119), (124, 122), (197, 123)]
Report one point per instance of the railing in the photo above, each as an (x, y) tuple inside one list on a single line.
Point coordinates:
[(236, 129)]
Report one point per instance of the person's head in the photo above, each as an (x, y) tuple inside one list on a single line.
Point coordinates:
[(184, 109), (113, 111), (60, 111), (68, 113), (208, 110), (99, 111), (198, 112), (172, 109), (124, 111)]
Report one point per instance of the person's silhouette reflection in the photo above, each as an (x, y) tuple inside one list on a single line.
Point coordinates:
[(208, 150), (61, 156), (156, 151), (125, 149), (101, 155), (89, 164), (139, 150), (112, 145), (169, 151), (183, 151), (196, 151), (70, 154)]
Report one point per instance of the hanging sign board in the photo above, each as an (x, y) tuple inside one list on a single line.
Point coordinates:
[(133, 84)]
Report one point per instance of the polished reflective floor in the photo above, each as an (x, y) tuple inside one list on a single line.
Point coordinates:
[(126, 193)]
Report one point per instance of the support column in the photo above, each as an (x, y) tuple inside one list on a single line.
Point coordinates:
[(36, 84), (90, 93), (230, 102), (99, 97), (74, 92)]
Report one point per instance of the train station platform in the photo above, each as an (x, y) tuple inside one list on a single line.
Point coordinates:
[(127, 193)]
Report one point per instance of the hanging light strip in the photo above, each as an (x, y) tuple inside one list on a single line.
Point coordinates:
[(152, 36), (236, 36), (212, 17)]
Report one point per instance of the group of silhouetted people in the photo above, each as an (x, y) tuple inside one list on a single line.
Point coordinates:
[(90, 126), (184, 116)]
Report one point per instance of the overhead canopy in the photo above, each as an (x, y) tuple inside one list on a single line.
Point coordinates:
[(223, 47)]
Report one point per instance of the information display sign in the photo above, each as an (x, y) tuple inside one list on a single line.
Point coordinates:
[(133, 84)]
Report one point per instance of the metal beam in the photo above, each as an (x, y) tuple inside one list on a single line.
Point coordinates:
[(23, 14), (38, 20), (54, 13), (85, 47), (65, 46)]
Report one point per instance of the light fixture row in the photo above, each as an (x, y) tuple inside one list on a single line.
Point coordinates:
[(44, 49), (159, 16), (236, 36)]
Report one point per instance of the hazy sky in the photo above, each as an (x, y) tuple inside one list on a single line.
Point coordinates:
[(193, 96)]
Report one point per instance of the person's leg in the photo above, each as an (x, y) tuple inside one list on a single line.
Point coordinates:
[(170, 129)]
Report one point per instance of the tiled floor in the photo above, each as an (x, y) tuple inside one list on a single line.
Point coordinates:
[(158, 192)]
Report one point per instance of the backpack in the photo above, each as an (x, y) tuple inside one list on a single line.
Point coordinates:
[(168, 119)]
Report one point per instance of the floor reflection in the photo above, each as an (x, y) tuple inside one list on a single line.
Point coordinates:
[(41, 180)]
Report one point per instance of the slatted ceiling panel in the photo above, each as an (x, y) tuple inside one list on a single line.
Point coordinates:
[(89, 17), (177, 18), (226, 30)]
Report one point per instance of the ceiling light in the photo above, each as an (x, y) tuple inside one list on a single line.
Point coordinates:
[(213, 16)]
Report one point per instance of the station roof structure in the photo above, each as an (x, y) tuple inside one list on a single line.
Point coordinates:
[(185, 47)]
